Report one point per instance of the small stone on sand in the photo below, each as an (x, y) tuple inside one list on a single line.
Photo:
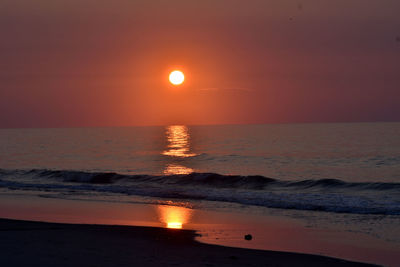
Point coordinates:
[(248, 237)]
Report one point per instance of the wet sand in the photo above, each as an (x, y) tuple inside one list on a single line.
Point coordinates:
[(227, 228), (27, 243)]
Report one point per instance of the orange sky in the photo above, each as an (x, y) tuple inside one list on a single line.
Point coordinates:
[(106, 63)]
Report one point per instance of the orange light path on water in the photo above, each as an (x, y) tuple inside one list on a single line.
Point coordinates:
[(172, 169), (178, 142)]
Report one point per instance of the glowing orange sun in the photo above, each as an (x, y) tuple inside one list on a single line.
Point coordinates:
[(176, 77)]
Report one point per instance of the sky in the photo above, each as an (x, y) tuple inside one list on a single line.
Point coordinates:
[(70, 63)]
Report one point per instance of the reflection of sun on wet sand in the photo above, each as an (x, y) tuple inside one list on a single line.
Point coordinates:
[(174, 217)]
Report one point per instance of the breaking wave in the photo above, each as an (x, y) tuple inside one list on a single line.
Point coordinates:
[(331, 195)]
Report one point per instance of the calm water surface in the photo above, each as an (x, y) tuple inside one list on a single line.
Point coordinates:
[(351, 152)]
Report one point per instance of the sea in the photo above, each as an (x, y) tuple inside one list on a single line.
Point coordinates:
[(346, 171)]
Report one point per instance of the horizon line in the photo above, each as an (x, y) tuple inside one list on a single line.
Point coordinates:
[(196, 124)]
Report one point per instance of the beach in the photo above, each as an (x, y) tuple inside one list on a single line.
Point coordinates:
[(27, 243), (104, 227), (199, 133), (291, 187)]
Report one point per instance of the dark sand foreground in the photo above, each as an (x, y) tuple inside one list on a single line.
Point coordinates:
[(25, 243)]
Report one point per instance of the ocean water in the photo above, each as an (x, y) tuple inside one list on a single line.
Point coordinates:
[(335, 168)]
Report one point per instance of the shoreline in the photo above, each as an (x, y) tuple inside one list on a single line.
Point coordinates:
[(271, 231), (59, 244)]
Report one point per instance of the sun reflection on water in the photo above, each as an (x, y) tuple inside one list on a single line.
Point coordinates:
[(172, 169), (178, 142), (174, 217), (178, 148)]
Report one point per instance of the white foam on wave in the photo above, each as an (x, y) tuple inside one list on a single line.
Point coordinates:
[(320, 195)]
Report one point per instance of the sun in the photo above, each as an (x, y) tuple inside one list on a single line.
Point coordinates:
[(176, 77)]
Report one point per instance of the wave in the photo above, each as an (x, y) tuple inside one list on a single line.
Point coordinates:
[(331, 195), (200, 179)]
